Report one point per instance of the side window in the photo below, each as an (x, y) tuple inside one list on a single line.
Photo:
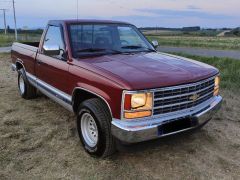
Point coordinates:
[(54, 38)]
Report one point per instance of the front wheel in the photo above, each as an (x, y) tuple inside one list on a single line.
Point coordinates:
[(94, 128)]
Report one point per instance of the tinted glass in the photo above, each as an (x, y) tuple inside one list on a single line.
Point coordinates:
[(130, 37), (106, 38)]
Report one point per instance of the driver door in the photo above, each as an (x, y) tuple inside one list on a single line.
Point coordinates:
[(52, 70)]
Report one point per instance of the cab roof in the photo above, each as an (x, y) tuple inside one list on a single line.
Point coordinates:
[(87, 21)]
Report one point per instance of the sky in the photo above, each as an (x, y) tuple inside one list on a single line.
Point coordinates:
[(142, 13)]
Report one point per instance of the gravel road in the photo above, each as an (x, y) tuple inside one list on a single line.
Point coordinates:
[(5, 49)]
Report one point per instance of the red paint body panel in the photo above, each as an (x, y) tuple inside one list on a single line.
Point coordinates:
[(107, 76), (25, 54), (152, 70), (52, 71), (106, 88)]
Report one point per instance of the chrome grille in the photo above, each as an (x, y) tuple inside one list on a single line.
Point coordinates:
[(178, 98)]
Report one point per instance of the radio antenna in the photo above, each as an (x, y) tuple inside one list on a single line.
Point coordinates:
[(77, 9)]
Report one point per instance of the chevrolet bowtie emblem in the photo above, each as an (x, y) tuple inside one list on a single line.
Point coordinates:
[(194, 97)]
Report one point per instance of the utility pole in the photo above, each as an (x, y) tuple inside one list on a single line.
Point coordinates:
[(4, 16), (15, 22)]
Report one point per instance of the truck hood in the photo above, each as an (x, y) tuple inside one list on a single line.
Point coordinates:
[(152, 70)]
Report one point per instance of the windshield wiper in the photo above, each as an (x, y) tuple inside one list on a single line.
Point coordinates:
[(138, 47), (91, 50), (98, 50), (132, 47)]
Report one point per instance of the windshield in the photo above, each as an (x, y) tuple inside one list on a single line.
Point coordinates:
[(106, 38)]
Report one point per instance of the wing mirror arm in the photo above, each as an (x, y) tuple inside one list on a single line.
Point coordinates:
[(155, 44)]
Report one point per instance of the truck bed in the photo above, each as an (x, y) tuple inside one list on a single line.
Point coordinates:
[(31, 46), (25, 53), (35, 44)]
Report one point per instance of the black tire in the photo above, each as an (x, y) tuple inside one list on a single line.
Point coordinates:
[(28, 91), (105, 145)]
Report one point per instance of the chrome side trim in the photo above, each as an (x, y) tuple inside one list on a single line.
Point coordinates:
[(32, 79), (55, 94), (95, 95), (58, 96)]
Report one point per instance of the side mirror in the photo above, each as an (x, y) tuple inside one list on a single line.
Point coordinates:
[(51, 50), (155, 43)]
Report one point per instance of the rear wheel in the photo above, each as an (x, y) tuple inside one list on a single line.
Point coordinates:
[(26, 90), (94, 128)]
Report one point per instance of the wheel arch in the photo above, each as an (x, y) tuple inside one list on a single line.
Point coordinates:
[(19, 65), (81, 94)]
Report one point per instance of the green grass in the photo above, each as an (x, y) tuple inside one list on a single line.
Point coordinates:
[(206, 33), (198, 41), (7, 40), (229, 69)]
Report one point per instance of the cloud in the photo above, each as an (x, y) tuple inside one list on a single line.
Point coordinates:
[(184, 13), (192, 7), (177, 22), (168, 13)]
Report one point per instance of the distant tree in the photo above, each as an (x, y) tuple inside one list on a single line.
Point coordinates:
[(195, 28), (236, 32), (8, 28)]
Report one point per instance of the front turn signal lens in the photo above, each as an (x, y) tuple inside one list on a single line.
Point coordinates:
[(217, 85), (140, 114)]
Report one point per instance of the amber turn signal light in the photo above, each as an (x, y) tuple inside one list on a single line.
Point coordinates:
[(133, 115), (216, 87)]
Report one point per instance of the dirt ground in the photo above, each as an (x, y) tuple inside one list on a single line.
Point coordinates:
[(38, 140)]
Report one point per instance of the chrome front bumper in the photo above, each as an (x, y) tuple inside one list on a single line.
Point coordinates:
[(142, 130)]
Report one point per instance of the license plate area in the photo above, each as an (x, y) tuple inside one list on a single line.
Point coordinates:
[(177, 125)]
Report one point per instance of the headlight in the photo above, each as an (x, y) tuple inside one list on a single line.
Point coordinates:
[(216, 87), (138, 100), (137, 105)]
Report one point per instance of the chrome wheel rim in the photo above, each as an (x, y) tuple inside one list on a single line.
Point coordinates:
[(21, 85), (89, 129)]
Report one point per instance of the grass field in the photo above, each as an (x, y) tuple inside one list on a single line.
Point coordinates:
[(230, 43), (229, 70), (7, 40), (165, 38), (38, 140), (206, 33)]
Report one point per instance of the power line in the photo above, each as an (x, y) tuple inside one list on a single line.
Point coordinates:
[(15, 21), (4, 17), (77, 9)]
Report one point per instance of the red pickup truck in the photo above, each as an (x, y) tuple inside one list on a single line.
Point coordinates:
[(117, 84)]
